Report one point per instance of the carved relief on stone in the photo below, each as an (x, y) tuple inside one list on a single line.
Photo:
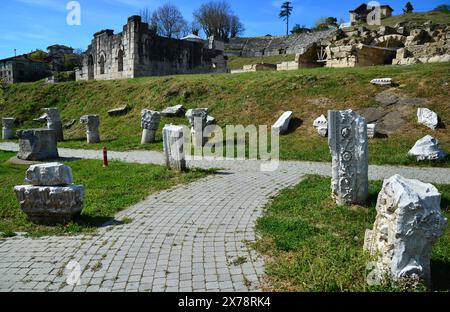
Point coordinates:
[(349, 149)]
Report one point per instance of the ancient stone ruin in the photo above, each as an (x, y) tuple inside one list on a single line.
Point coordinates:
[(53, 119), (427, 148), (139, 52), (173, 141), (37, 144), (174, 111), (150, 123), (348, 143), (427, 118), (92, 123), (282, 124), (409, 221), (119, 111), (198, 118), (321, 125), (51, 198), (8, 128)]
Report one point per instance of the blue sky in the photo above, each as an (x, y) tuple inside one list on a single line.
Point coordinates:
[(27, 25)]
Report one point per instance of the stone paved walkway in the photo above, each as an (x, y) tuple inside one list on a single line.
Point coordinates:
[(190, 238)]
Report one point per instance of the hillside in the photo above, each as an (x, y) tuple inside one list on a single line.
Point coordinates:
[(251, 98), (419, 18)]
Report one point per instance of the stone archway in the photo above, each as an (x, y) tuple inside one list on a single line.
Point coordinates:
[(120, 60), (102, 64), (91, 68)]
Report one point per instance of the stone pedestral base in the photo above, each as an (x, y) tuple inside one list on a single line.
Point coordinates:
[(37, 144), (7, 134), (50, 205), (148, 136), (57, 126), (173, 138), (93, 137)]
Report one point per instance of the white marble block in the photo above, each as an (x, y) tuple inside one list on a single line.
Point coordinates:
[(173, 140), (321, 125), (50, 174), (53, 118), (282, 124), (92, 123), (348, 143), (174, 111), (427, 148), (371, 130), (50, 205), (382, 81), (428, 118), (409, 221), (150, 123)]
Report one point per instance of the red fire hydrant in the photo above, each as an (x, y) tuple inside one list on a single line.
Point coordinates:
[(105, 157)]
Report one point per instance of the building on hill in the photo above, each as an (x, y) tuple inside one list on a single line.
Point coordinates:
[(139, 52), (22, 68), (360, 13), (58, 50), (62, 58)]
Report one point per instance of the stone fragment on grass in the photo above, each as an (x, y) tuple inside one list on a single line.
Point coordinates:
[(382, 81), (428, 118), (8, 128), (321, 125), (427, 148), (281, 126), (119, 111), (174, 111), (49, 174), (53, 118), (150, 123), (37, 144), (92, 123), (409, 221), (173, 141)]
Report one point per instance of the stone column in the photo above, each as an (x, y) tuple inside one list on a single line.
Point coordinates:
[(173, 140), (198, 119), (53, 118), (409, 221), (348, 143), (92, 123), (150, 123), (7, 130), (37, 144)]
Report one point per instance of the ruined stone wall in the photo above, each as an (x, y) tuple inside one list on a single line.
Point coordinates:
[(268, 46), (137, 52)]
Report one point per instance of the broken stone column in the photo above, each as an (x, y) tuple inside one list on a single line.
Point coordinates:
[(198, 118), (173, 141), (427, 148), (51, 198), (409, 221), (321, 125), (150, 123), (37, 144), (53, 118), (7, 130), (428, 118), (348, 143), (92, 123)]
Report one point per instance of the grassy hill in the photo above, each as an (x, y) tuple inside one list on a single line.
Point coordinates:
[(250, 98), (236, 62), (419, 18)]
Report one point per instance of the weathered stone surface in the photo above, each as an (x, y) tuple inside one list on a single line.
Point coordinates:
[(174, 111), (386, 98), (409, 221), (69, 124), (210, 120), (198, 119), (428, 118), (427, 148), (201, 113), (92, 123), (321, 125), (150, 123), (348, 143), (382, 81), (50, 174), (8, 128), (37, 144), (173, 140), (119, 111), (372, 114), (391, 123), (53, 118), (50, 205), (282, 124)]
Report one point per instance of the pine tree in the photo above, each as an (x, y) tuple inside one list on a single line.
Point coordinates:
[(408, 8)]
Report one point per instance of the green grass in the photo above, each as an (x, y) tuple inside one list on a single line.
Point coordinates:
[(313, 245), (419, 18), (107, 191), (236, 62), (244, 99)]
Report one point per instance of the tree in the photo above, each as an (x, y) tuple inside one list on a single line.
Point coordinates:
[(195, 28), (325, 23), (169, 22), (408, 8), (217, 19), (285, 13), (442, 8), (146, 15), (297, 29), (236, 27)]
